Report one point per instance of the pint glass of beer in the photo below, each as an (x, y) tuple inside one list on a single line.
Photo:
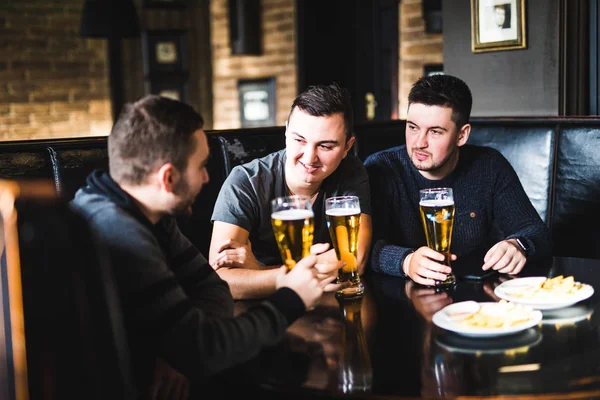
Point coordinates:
[(343, 221), (437, 213), (293, 224)]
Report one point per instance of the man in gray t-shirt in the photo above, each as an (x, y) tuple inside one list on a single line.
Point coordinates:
[(314, 163)]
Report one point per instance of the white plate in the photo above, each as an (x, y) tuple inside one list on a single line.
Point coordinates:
[(507, 291), (442, 320)]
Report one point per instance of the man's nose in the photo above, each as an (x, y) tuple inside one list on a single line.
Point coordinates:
[(421, 140), (310, 155)]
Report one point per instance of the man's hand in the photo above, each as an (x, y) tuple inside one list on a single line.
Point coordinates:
[(425, 266), (327, 266), (168, 383), (506, 257), (233, 253), (303, 280)]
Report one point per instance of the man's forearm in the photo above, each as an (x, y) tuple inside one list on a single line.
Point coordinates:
[(250, 283)]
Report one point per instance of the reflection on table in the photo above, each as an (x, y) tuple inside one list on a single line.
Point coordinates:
[(384, 344)]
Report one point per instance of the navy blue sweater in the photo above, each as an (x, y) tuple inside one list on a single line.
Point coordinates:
[(491, 206)]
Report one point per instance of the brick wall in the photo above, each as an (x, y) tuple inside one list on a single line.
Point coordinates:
[(278, 60), (52, 82), (417, 48)]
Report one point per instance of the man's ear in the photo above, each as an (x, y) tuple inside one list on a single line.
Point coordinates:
[(348, 145), (463, 135), (167, 177)]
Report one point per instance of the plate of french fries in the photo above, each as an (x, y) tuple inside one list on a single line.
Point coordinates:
[(487, 319), (544, 293)]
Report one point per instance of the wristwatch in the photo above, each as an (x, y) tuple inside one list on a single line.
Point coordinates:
[(522, 245)]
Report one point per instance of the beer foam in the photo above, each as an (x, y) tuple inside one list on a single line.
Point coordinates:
[(292, 215), (436, 203), (342, 212)]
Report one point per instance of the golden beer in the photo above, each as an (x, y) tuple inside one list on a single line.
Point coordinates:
[(343, 229), (294, 232), (438, 220), (343, 221)]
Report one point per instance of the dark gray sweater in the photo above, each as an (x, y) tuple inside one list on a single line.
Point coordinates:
[(175, 305), (491, 205)]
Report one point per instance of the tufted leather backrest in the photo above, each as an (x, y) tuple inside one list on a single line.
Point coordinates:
[(576, 219), (28, 160), (529, 147), (76, 160), (243, 145)]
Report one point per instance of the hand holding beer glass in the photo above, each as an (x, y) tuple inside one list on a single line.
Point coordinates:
[(343, 220), (292, 219), (437, 213)]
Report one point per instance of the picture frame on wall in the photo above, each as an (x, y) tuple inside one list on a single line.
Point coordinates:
[(165, 51), (165, 3), (257, 102), (497, 25)]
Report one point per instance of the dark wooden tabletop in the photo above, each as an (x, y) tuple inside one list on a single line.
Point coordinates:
[(384, 345)]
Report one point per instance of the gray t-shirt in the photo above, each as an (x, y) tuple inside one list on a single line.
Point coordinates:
[(245, 199)]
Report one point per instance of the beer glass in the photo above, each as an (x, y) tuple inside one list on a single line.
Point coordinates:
[(293, 224), (437, 213), (343, 221)]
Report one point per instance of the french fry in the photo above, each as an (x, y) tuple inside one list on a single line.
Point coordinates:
[(551, 287), (503, 314)]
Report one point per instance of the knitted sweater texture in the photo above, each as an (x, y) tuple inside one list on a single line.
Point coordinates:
[(491, 205)]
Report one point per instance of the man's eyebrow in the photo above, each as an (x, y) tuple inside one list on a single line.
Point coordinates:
[(319, 142), (441, 128)]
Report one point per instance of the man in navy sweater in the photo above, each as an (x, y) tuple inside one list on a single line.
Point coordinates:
[(494, 217)]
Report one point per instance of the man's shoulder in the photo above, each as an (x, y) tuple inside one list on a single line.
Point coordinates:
[(100, 211), (261, 167)]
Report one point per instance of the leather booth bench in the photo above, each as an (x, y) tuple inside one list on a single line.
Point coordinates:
[(556, 159)]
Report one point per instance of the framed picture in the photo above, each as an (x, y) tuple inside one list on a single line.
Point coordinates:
[(257, 102), (165, 3), (165, 51), (175, 88), (433, 69), (497, 25)]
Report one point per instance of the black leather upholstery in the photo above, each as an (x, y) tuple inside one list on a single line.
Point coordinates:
[(576, 217), (76, 160), (27, 160), (530, 150), (241, 146)]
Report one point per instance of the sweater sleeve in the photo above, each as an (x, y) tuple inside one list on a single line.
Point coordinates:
[(515, 214), (159, 309), (198, 279), (386, 257)]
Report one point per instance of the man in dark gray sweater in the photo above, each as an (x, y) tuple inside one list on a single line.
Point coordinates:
[(176, 307), (493, 217)]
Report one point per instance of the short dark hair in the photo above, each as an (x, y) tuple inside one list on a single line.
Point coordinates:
[(326, 100), (149, 133), (446, 91)]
